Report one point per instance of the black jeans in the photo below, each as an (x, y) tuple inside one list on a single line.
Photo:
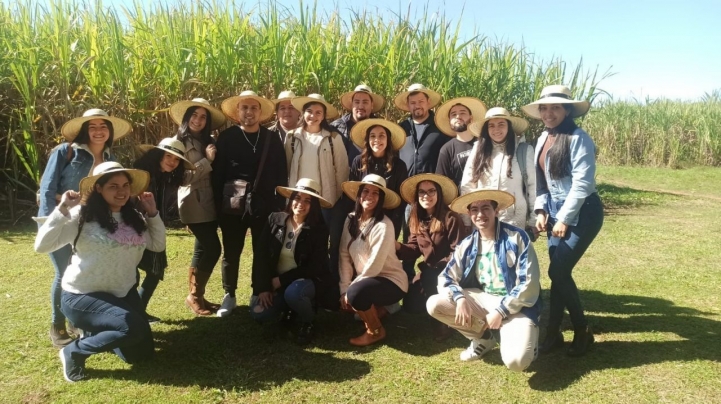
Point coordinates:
[(564, 254), (375, 291), (206, 251), (234, 228)]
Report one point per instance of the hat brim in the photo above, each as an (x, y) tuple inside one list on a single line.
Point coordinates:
[(503, 198), (401, 100), (177, 111), (346, 100), (71, 128), (449, 188), (144, 148), (443, 122), (285, 192), (140, 180), (229, 106), (519, 125), (397, 134), (391, 200), (331, 112), (580, 108)]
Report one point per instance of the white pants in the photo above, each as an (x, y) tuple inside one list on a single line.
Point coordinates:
[(519, 335)]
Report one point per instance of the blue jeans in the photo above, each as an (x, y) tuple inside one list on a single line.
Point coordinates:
[(147, 288), (335, 218), (299, 296), (113, 323), (408, 265), (60, 259)]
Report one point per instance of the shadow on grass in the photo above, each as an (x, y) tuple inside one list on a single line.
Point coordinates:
[(696, 338), (616, 199)]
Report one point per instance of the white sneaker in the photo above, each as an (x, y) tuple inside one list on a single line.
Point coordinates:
[(226, 308), (478, 348)]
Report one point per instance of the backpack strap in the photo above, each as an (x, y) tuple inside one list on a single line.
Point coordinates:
[(521, 153), (332, 150)]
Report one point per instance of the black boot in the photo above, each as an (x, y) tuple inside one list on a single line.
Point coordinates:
[(553, 341), (582, 340), (305, 334)]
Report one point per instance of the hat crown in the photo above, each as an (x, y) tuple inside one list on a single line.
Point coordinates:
[(94, 112), (556, 89), (316, 96), (286, 94), (363, 89), (107, 166), (247, 93), (201, 101), (308, 183), (497, 112), (375, 179), (173, 143), (417, 87)]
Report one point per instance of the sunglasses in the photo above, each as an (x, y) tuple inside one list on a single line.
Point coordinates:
[(430, 193), (289, 244)]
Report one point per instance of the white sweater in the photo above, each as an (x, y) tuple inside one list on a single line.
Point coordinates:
[(104, 262)]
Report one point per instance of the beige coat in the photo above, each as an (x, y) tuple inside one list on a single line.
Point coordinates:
[(195, 200), (334, 167)]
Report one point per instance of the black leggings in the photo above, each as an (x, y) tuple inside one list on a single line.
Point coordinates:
[(206, 251), (373, 291)]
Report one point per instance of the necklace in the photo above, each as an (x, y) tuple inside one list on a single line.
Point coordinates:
[(246, 139)]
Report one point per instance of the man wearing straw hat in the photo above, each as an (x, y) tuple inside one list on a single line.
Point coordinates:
[(454, 118), (287, 117), (362, 103), (491, 283), (249, 164)]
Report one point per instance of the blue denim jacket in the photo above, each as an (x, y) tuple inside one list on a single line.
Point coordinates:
[(61, 175), (562, 198)]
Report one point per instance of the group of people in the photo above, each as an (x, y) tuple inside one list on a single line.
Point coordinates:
[(325, 198)]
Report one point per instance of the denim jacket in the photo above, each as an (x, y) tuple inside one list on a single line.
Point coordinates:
[(562, 198), (61, 175)]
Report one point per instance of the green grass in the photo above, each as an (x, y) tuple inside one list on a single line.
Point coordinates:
[(649, 282)]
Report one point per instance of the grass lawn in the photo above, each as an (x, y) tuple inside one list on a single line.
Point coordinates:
[(650, 284)]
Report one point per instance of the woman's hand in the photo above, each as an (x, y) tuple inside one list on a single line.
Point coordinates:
[(494, 320), (210, 152), (560, 229), (266, 299), (147, 203), (344, 303), (541, 220), (276, 283)]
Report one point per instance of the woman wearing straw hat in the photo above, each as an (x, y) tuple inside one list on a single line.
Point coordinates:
[(435, 232), (196, 120), (371, 276), (567, 206), (291, 270), (166, 164), (88, 140), (502, 160), (108, 237), (373, 137)]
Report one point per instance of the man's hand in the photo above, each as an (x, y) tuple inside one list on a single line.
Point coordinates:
[(463, 312)]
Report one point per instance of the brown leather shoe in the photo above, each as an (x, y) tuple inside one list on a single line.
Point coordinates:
[(374, 329)]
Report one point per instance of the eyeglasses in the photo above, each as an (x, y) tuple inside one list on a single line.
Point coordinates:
[(289, 244), (430, 193)]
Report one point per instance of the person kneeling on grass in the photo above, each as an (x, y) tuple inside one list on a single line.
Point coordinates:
[(491, 284), (108, 236)]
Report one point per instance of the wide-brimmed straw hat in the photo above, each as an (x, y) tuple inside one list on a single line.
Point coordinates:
[(284, 96), (139, 178), (346, 100), (502, 198), (519, 125), (401, 99), (443, 121), (391, 201), (448, 187), (172, 146), (71, 128), (306, 186), (177, 111), (230, 105), (330, 111), (557, 94), (396, 134)]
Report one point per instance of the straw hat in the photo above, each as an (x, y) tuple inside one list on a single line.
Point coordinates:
[(391, 201), (401, 99), (283, 96), (397, 134), (140, 179), (346, 100), (449, 188), (177, 111), (330, 111), (519, 125), (443, 121), (306, 186), (172, 146), (503, 198), (230, 105), (70, 130), (557, 94)]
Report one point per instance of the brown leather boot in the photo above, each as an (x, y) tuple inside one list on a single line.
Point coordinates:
[(374, 329), (195, 301), (202, 278), (59, 335)]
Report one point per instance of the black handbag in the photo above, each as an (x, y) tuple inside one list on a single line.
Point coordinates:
[(237, 198)]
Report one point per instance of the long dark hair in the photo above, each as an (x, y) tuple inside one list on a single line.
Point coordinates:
[(418, 214), (314, 214), (150, 162), (83, 136), (354, 222), (482, 160), (367, 154), (559, 155), (184, 132), (323, 123), (97, 210)]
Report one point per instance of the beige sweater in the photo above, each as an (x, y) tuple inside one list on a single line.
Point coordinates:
[(373, 257)]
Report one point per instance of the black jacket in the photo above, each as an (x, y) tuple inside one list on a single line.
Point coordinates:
[(421, 156)]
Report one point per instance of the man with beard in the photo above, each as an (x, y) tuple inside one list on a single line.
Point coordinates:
[(453, 118), (362, 104), (287, 117)]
